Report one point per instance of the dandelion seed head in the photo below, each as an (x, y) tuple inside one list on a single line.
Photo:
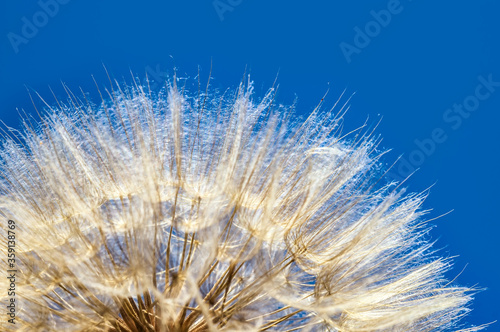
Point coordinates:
[(214, 212)]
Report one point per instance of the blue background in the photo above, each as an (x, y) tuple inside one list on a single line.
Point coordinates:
[(426, 59)]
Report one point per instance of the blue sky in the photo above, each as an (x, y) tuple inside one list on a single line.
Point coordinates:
[(429, 68)]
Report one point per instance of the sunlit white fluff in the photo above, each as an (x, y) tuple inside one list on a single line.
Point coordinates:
[(207, 212)]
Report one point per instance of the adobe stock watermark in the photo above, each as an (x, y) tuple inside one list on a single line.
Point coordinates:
[(31, 26), (223, 6), (156, 77), (363, 36), (453, 117)]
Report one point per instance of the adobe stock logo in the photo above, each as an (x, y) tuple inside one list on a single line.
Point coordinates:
[(156, 77), (453, 117), (31, 26), (223, 6), (363, 37)]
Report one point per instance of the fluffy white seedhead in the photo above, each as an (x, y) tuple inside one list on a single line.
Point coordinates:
[(170, 212)]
